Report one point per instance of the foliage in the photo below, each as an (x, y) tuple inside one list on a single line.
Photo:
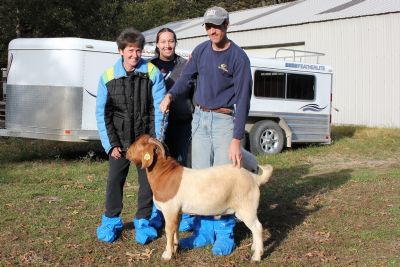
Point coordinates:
[(98, 19)]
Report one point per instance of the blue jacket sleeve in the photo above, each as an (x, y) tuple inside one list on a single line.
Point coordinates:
[(101, 100), (158, 92)]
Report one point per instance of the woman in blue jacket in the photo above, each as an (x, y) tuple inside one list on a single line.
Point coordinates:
[(127, 106)]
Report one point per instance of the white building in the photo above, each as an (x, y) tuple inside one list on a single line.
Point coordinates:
[(360, 40)]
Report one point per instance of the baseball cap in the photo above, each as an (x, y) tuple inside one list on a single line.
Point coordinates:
[(215, 15)]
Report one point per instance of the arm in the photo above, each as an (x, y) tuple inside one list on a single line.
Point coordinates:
[(182, 84), (242, 87), (158, 92), (101, 100)]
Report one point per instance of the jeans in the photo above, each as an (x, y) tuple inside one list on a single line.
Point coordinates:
[(211, 138)]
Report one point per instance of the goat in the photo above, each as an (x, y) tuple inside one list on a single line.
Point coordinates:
[(217, 190)]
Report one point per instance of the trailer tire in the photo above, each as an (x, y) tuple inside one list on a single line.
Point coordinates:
[(266, 137)]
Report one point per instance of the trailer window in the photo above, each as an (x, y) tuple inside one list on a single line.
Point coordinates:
[(269, 84), (300, 86), (284, 85)]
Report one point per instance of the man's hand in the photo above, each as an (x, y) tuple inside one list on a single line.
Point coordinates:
[(235, 153), (116, 152), (164, 106)]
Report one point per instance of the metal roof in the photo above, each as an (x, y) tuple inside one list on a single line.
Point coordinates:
[(292, 13)]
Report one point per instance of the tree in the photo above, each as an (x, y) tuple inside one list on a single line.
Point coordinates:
[(98, 19), (95, 19)]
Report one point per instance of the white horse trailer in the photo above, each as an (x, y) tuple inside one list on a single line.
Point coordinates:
[(52, 84), (290, 103), (51, 87)]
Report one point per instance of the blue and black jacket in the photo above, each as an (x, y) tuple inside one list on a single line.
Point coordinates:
[(128, 106)]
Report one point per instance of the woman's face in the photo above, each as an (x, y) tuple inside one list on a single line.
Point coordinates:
[(166, 45)]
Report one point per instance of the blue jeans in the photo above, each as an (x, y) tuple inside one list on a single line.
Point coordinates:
[(211, 138)]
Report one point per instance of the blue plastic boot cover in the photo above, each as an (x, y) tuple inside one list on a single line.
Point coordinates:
[(107, 231), (203, 233), (224, 241), (156, 218), (186, 223), (145, 233)]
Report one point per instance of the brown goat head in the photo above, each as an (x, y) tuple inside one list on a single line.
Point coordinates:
[(159, 145), (142, 151)]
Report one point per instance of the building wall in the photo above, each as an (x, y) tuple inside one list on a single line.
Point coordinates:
[(363, 52)]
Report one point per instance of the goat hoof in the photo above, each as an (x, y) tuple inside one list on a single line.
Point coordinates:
[(166, 256), (256, 258)]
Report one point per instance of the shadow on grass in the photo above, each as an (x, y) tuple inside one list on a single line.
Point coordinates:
[(22, 149), (340, 132), (288, 199)]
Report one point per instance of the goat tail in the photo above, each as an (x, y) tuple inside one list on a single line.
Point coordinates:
[(264, 174)]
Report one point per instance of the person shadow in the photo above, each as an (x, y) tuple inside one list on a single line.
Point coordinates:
[(288, 199)]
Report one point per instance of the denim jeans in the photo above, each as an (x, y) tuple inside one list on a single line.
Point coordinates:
[(211, 138)]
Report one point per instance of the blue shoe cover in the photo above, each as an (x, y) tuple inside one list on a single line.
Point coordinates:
[(156, 218), (107, 231), (186, 223), (224, 241), (145, 233), (203, 234)]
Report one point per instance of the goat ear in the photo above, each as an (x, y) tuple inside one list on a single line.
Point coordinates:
[(147, 156)]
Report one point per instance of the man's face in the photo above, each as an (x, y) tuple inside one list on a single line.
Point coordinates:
[(216, 33), (131, 55)]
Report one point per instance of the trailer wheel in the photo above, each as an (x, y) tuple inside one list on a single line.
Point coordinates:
[(266, 137)]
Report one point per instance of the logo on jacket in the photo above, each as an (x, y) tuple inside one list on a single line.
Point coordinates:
[(223, 67)]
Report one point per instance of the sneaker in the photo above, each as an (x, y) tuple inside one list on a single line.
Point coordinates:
[(109, 228), (144, 232), (224, 241), (186, 223), (156, 218), (203, 234)]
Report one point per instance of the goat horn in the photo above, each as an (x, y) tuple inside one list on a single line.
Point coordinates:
[(157, 143)]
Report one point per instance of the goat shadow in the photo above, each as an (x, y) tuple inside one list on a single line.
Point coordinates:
[(286, 201)]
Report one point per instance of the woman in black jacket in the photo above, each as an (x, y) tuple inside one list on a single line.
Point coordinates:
[(178, 133)]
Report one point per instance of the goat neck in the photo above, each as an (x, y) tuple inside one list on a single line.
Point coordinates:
[(165, 175)]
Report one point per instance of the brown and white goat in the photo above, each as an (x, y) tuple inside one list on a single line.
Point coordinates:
[(217, 190)]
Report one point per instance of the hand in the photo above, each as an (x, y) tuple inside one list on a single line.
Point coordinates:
[(164, 106), (235, 153), (116, 152)]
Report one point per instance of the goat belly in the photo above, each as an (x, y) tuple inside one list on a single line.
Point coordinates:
[(206, 211)]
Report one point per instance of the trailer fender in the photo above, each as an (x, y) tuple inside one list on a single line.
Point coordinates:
[(282, 123)]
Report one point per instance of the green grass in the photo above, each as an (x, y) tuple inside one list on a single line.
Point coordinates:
[(328, 205)]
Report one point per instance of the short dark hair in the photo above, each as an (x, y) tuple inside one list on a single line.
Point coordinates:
[(130, 36), (157, 51)]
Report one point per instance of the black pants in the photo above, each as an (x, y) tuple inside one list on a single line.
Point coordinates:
[(118, 171), (178, 138)]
